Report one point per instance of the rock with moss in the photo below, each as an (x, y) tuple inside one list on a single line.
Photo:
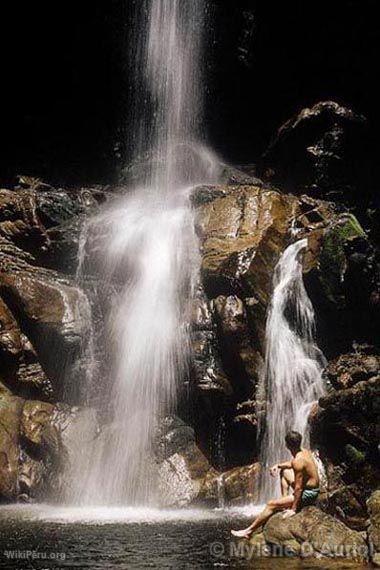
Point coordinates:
[(343, 283)]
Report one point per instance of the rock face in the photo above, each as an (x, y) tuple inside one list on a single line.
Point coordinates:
[(43, 325), (183, 467), (320, 151), (243, 230), (374, 528), (310, 533), (346, 429), (233, 487), (343, 283)]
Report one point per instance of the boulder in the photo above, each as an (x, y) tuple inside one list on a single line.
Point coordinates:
[(313, 533), (233, 487), (183, 467)]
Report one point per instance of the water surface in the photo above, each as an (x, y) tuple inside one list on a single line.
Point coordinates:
[(129, 539)]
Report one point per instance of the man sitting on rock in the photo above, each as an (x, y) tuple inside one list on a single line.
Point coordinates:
[(299, 476)]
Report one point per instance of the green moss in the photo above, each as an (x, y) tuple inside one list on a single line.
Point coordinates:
[(333, 262), (353, 455)]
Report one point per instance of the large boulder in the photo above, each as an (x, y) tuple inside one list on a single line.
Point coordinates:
[(182, 467), (313, 533)]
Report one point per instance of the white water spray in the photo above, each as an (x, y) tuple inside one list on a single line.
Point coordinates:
[(146, 246), (294, 364)]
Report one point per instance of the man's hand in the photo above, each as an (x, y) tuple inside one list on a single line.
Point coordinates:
[(274, 470), (288, 513)]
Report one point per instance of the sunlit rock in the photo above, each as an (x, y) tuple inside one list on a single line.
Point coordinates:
[(313, 533)]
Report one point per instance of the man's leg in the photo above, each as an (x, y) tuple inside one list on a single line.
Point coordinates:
[(287, 481), (270, 508)]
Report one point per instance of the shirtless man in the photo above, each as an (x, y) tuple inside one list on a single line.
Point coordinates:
[(300, 475)]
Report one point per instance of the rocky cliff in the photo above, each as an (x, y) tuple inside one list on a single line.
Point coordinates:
[(244, 224)]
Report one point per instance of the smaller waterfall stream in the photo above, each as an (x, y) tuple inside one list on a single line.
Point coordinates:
[(293, 361)]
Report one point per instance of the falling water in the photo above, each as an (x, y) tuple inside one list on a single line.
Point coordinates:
[(144, 244), (294, 363)]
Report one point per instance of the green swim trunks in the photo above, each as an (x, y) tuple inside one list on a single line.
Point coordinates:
[(309, 497)]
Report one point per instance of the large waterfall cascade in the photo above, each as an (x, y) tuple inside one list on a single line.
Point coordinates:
[(144, 244), (293, 364)]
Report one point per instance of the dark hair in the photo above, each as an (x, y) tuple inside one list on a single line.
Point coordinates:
[(293, 440)]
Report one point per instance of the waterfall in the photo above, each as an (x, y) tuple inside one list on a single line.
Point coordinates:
[(293, 364), (144, 244)]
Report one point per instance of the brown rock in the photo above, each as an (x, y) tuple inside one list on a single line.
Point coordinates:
[(346, 430), (316, 533), (374, 528), (36, 421), (10, 417), (236, 486), (349, 369), (10, 338)]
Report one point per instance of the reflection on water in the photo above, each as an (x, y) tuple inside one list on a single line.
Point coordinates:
[(42, 537)]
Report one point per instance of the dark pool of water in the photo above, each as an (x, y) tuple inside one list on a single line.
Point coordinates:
[(37, 544)]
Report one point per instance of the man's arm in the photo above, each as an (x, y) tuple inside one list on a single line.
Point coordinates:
[(280, 467)]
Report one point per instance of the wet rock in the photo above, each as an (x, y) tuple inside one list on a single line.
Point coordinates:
[(19, 221), (10, 340), (313, 533), (237, 344), (32, 478), (53, 315), (374, 528), (236, 486), (31, 380), (236, 176), (183, 468), (342, 283), (36, 422), (320, 151), (10, 418), (242, 237), (346, 430), (348, 369)]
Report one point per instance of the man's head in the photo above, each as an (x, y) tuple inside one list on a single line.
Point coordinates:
[(293, 440)]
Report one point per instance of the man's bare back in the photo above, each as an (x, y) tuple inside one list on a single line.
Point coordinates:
[(304, 462)]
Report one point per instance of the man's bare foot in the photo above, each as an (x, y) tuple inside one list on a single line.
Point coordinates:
[(244, 533)]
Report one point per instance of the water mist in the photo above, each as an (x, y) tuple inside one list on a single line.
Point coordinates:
[(144, 244)]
